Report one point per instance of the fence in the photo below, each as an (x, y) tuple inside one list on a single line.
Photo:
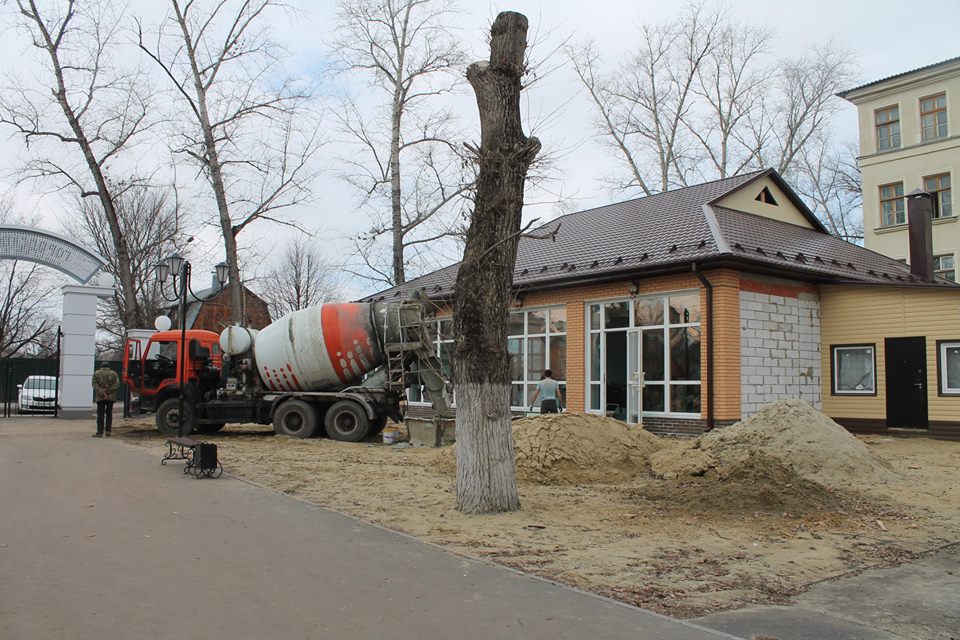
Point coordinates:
[(28, 386)]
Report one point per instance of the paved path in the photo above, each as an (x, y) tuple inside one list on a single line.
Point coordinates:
[(99, 541)]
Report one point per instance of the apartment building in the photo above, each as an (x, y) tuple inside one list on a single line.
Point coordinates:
[(910, 139)]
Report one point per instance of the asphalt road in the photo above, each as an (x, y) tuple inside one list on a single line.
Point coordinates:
[(99, 541)]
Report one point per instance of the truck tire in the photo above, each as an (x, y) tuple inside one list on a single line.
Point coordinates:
[(347, 421), (377, 426), (295, 418), (168, 415)]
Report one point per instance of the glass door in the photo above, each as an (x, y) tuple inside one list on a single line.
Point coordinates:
[(634, 376)]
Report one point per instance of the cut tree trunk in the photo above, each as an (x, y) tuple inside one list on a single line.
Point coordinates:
[(486, 474)]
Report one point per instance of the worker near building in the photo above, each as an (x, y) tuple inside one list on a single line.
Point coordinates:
[(547, 391), (105, 383)]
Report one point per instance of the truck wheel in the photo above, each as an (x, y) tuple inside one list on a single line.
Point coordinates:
[(168, 418), (347, 421), (377, 426), (295, 418)]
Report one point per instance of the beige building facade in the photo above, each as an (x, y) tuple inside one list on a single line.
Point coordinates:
[(910, 139)]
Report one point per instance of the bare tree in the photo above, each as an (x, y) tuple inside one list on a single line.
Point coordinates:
[(700, 98), (486, 475), (26, 318), (828, 179), (410, 174), (300, 278), (88, 114), (246, 123), (151, 221)]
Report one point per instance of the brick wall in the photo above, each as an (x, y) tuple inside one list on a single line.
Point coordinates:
[(215, 314), (680, 427), (780, 343)]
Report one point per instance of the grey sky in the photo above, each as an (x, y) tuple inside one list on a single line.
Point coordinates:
[(885, 37)]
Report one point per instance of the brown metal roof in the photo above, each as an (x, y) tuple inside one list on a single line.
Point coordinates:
[(670, 231)]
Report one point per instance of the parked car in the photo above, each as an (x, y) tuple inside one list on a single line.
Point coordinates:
[(37, 394)]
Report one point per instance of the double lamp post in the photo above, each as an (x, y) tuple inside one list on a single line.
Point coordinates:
[(175, 270)]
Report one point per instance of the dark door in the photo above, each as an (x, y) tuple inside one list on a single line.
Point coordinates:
[(907, 382)]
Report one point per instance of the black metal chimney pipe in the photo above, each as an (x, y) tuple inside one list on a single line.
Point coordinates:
[(920, 227)]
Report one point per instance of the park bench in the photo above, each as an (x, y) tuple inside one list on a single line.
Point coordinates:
[(201, 457)]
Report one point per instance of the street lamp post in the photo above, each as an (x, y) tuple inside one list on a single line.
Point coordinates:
[(176, 270)]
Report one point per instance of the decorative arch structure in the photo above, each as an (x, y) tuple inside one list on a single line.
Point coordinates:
[(51, 250), (79, 319)]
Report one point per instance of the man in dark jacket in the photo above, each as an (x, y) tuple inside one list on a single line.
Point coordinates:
[(105, 383)]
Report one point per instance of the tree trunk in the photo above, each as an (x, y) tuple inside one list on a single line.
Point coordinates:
[(486, 475)]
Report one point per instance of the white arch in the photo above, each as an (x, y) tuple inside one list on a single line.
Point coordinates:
[(49, 249)]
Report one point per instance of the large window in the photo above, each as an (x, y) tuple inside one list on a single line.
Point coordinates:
[(891, 205), (939, 188), (945, 266), (537, 341), (933, 117), (662, 334), (948, 364), (887, 123), (854, 370)]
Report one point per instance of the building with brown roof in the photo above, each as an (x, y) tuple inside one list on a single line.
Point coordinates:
[(214, 315), (692, 308)]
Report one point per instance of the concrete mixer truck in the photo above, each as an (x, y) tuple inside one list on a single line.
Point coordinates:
[(343, 366)]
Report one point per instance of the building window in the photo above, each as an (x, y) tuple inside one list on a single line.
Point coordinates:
[(442, 336), (766, 197), (933, 117), (537, 340), (888, 128), (656, 335), (948, 364), (854, 370), (939, 188), (891, 205), (945, 267)]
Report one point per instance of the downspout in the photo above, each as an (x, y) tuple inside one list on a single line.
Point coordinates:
[(710, 395)]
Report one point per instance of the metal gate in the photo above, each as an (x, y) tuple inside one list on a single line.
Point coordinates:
[(29, 386)]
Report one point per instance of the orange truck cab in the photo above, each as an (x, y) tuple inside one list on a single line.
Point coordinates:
[(152, 371)]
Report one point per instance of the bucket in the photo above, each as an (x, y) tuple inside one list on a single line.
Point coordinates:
[(391, 435)]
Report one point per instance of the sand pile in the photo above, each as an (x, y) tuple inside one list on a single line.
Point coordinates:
[(575, 448), (788, 435)]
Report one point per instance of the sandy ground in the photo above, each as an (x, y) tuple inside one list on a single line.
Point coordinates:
[(679, 546)]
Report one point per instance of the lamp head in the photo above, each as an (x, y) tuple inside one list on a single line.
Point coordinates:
[(162, 270), (223, 273), (176, 263)]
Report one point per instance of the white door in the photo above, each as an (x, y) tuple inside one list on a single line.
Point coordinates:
[(634, 377)]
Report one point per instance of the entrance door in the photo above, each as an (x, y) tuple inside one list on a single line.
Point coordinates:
[(634, 376), (906, 382)]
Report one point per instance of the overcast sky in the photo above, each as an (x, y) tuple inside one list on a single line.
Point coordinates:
[(885, 37)]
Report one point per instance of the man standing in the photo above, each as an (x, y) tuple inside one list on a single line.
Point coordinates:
[(105, 383), (547, 390)]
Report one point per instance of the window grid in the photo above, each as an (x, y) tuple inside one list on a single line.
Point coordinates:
[(887, 124), (933, 117), (945, 266), (939, 187), (892, 210), (552, 330), (597, 333)]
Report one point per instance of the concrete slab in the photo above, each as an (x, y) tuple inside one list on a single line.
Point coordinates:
[(916, 601), (99, 541)]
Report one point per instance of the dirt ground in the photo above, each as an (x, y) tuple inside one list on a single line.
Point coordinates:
[(684, 544)]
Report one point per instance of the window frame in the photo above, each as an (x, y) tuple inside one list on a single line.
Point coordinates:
[(896, 198), (548, 335), (941, 271), (934, 112), (942, 389), (938, 193), (668, 382), (834, 348), (890, 124)]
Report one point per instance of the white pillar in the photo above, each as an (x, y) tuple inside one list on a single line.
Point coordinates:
[(79, 326)]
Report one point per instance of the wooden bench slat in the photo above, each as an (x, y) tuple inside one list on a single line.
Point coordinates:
[(183, 442)]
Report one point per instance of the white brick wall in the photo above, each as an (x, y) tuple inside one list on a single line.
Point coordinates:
[(779, 349)]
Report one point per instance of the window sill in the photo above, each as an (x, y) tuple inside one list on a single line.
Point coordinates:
[(891, 228), (945, 220)]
